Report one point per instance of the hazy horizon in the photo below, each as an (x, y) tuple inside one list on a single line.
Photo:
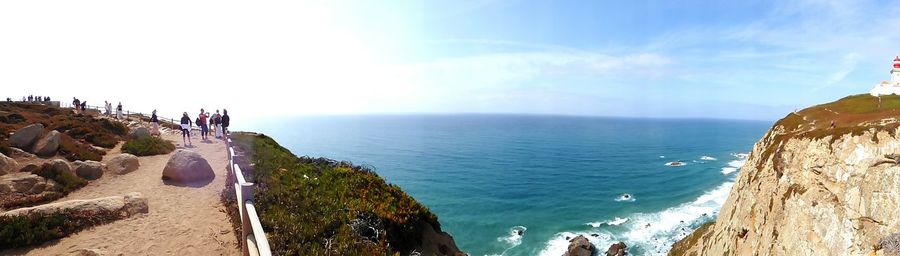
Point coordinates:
[(695, 59)]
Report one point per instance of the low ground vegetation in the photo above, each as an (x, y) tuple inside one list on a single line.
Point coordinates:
[(148, 146), (310, 206)]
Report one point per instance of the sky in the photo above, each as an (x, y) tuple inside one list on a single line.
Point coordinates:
[(273, 59)]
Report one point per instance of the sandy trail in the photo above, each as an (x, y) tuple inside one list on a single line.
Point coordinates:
[(181, 220)]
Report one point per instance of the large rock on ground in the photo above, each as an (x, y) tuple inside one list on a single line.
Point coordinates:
[(26, 183), (616, 249), (23, 138), (122, 164), (7, 164), (89, 170), (139, 133), (59, 166), (187, 166), (121, 206), (580, 246), (47, 145)]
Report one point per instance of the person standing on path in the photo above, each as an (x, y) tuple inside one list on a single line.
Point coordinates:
[(154, 124), (204, 124), (225, 121), (83, 107), (217, 121), (186, 130), (119, 111)]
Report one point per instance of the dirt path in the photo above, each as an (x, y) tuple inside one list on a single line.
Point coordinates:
[(181, 220)]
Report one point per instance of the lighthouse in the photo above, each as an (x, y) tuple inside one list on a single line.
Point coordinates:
[(889, 87)]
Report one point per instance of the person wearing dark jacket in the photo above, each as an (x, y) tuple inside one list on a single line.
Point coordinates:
[(154, 124), (225, 121), (186, 129)]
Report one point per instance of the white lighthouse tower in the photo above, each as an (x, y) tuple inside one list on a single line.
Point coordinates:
[(892, 87)]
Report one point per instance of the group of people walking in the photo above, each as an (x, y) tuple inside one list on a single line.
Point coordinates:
[(107, 106), (205, 121), (32, 98)]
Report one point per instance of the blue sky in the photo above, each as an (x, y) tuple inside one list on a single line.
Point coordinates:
[(720, 59), (706, 59)]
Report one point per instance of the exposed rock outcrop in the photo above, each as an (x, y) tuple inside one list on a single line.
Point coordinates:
[(7, 164), (47, 145), (616, 249), (580, 246), (16, 187), (808, 189), (123, 164), (127, 205), (25, 137), (437, 243), (89, 170), (187, 166)]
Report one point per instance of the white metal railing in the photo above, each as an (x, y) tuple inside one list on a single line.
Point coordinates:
[(253, 238)]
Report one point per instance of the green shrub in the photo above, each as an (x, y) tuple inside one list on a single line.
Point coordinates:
[(305, 203), (67, 180), (102, 140), (148, 146), (73, 150), (32, 229), (114, 127)]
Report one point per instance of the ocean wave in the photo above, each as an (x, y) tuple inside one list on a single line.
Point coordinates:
[(512, 239), (708, 158), (615, 222), (654, 233), (728, 170)]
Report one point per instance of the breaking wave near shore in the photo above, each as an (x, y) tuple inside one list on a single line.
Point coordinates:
[(652, 233)]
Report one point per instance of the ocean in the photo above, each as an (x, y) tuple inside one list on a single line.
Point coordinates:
[(522, 185)]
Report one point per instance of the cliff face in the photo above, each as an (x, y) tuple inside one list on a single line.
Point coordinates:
[(812, 188)]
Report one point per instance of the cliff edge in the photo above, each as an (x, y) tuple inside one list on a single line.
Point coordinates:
[(822, 181)]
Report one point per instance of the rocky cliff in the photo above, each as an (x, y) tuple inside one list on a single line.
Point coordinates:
[(821, 181)]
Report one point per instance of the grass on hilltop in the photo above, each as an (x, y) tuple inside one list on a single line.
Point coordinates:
[(33, 229), (148, 146), (311, 206)]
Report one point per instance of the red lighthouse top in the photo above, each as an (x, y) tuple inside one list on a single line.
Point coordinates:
[(897, 62)]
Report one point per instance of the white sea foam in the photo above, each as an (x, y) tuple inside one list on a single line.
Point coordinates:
[(559, 244), (728, 170), (655, 232), (662, 156), (512, 239), (617, 221), (625, 198), (708, 158), (676, 163)]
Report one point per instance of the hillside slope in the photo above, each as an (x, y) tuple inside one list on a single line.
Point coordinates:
[(318, 206), (813, 188)]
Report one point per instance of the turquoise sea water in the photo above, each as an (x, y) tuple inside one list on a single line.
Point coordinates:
[(489, 176)]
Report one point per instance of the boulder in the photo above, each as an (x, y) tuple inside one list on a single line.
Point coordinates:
[(18, 153), (187, 166), (7, 164), (113, 206), (26, 183), (30, 168), (47, 145), (139, 133), (580, 246), (89, 170), (122, 164), (616, 249), (23, 138), (59, 166)]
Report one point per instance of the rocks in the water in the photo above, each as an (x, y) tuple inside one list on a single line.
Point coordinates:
[(113, 206), (580, 246), (23, 138), (122, 164), (7, 164), (187, 166), (616, 249), (47, 145), (89, 170), (139, 133)]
